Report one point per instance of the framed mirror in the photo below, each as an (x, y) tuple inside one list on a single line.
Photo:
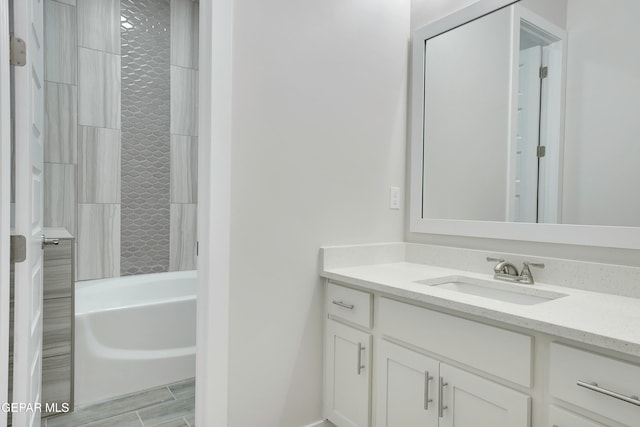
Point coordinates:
[(523, 123)]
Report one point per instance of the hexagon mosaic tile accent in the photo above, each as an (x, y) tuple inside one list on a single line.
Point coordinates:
[(145, 48)]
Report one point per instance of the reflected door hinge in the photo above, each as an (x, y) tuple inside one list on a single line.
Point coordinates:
[(18, 52), (197, 248), (544, 72), (541, 151), (18, 249)]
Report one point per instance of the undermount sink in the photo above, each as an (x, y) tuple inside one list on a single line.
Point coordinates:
[(492, 290)]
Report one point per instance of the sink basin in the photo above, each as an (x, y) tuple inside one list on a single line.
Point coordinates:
[(496, 291)]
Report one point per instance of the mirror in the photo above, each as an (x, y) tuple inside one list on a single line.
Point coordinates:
[(525, 114)]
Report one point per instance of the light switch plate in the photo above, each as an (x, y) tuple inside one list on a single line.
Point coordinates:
[(394, 198)]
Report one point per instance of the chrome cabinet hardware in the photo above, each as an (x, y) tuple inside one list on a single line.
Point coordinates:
[(361, 348), (634, 400), (441, 406), (46, 241), (343, 304), (427, 379)]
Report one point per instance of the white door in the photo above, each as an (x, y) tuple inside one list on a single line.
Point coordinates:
[(407, 388), (348, 375), (471, 401), (5, 185), (29, 120), (528, 137)]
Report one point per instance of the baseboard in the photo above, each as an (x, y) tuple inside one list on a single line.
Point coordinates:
[(321, 423)]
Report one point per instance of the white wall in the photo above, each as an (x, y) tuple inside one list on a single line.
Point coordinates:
[(601, 148), (425, 11), (318, 136), (466, 142)]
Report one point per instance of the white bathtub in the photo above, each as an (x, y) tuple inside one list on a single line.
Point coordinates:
[(133, 333)]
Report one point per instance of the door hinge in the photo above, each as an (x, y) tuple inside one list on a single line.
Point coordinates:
[(544, 72), (541, 151), (18, 49), (197, 248), (18, 249)]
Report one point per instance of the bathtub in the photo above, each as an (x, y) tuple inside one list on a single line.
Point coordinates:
[(133, 333)]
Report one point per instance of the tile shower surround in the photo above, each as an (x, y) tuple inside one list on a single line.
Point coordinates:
[(120, 165)]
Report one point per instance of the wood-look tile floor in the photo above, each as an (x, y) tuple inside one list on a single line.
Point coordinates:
[(167, 406)]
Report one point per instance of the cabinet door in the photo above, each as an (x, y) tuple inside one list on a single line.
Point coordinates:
[(471, 401), (561, 418), (347, 375), (407, 386)]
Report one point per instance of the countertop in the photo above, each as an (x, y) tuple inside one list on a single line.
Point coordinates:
[(599, 319)]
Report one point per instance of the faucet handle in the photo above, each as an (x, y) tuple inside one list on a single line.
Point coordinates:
[(489, 259), (533, 264)]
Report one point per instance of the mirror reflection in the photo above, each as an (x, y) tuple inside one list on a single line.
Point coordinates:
[(530, 115)]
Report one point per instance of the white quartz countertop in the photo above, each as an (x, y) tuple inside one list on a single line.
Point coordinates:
[(599, 319)]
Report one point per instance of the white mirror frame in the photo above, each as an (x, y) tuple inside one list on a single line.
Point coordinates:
[(585, 235)]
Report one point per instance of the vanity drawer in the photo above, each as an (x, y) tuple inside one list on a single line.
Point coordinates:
[(569, 366), (559, 417), (349, 304), (497, 351)]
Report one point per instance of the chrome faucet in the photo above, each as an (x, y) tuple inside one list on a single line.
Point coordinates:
[(505, 270)]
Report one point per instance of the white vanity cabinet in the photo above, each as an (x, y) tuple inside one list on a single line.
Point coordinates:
[(414, 390), (559, 417), (347, 376)]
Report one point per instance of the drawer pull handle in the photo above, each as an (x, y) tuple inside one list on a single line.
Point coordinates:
[(427, 378), (343, 305), (441, 406), (594, 387), (360, 365)]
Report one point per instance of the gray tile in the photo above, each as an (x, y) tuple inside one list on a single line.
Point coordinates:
[(178, 422), (184, 33), (190, 419), (98, 165), (99, 25), (98, 241), (184, 168), (60, 196), (184, 101), (56, 379), (130, 419), (184, 389), (112, 408), (146, 158), (60, 42), (158, 414), (61, 123), (56, 327), (57, 277), (183, 237), (98, 89)]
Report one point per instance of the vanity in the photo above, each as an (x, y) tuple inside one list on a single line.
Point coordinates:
[(402, 350), (521, 129)]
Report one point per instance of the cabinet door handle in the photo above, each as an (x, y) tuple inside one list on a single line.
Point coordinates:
[(342, 304), (427, 378), (441, 406), (361, 348), (594, 387)]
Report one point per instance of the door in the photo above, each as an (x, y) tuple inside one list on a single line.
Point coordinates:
[(471, 401), (5, 190), (407, 388), (528, 137), (29, 119), (347, 375)]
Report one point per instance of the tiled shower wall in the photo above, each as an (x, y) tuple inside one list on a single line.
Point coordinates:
[(120, 147)]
